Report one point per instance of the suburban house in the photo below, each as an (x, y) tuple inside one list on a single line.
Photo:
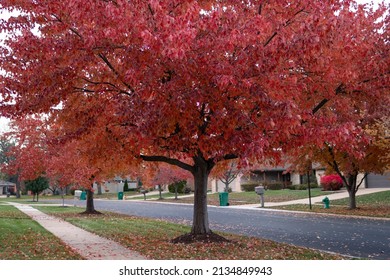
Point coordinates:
[(7, 187), (282, 176), (115, 185)]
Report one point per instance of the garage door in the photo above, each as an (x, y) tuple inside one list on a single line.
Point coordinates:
[(378, 181)]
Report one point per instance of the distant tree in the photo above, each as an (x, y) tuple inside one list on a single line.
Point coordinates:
[(37, 186), (5, 147), (126, 186), (177, 187), (367, 152), (99, 188), (159, 188), (26, 157), (172, 176), (5, 158), (229, 175)]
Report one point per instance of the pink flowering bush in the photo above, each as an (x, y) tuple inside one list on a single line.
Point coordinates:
[(331, 182)]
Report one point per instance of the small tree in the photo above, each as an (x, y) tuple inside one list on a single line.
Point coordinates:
[(37, 186), (229, 175), (159, 188), (126, 186), (177, 187)]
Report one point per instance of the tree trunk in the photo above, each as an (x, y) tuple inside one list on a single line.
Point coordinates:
[(176, 186), (90, 209), (99, 188), (90, 206), (160, 191), (200, 224), (201, 169), (18, 188), (352, 189), (226, 186), (352, 200)]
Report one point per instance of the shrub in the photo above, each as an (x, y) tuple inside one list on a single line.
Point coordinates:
[(187, 190), (181, 187), (274, 186), (250, 186), (331, 182)]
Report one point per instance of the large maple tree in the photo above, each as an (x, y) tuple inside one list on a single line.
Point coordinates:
[(193, 83)]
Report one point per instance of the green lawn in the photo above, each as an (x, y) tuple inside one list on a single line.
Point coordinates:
[(24, 239), (371, 205), (165, 195), (240, 198), (377, 199), (152, 239)]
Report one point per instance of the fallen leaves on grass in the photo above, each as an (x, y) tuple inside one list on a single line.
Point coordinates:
[(24, 239), (152, 238)]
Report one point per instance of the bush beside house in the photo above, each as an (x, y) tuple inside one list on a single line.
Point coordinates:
[(331, 182)]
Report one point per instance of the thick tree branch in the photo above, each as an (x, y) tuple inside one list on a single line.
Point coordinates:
[(340, 89), (112, 68), (230, 156), (361, 181), (287, 23), (168, 160), (320, 105), (270, 39), (70, 28), (108, 84)]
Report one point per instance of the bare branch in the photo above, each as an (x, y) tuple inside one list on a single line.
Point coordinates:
[(108, 63)]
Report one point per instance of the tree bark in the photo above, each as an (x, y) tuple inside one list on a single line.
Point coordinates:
[(90, 209), (352, 200), (226, 186), (160, 191), (176, 191), (200, 224), (99, 188), (18, 189), (352, 189), (201, 169)]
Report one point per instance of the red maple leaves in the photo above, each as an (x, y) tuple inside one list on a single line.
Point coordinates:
[(197, 82)]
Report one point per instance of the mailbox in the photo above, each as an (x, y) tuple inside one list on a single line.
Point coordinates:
[(77, 193), (259, 190)]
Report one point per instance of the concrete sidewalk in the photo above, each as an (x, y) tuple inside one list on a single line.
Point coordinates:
[(317, 199), (88, 245)]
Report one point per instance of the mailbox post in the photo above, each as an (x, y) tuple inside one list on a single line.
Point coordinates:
[(260, 191), (77, 194)]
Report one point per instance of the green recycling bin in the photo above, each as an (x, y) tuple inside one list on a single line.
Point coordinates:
[(83, 195), (223, 199), (120, 195)]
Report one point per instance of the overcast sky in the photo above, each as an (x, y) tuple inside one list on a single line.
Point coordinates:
[(4, 122)]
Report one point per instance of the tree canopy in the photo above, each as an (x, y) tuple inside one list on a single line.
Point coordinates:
[(192, 83)]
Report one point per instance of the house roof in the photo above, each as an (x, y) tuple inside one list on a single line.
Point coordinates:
[(5, 183)]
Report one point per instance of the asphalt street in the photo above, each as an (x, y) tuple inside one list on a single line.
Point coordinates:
[(357, 237)]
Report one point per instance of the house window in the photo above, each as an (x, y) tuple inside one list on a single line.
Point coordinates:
[(312, 176)]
